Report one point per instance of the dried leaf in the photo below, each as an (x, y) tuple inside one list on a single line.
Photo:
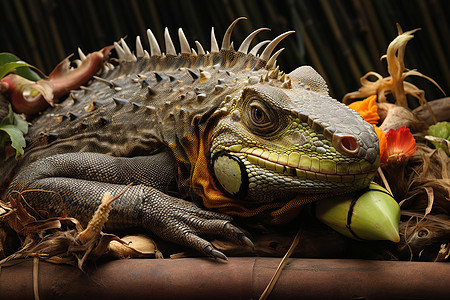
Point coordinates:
[(134, 246), (394, 84), (45, 240), (42, 225), (430, 195), (444, 253)]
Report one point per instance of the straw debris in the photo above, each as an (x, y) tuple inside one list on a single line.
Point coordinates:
[(63, 240)]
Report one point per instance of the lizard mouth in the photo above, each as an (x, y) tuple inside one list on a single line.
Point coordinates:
[(305, 173), (303, 166)]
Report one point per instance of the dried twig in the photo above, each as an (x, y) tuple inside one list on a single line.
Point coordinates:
[(283, 262)]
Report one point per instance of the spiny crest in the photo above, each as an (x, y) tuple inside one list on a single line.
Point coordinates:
[(198, 64), (277, 78), (268, 60)]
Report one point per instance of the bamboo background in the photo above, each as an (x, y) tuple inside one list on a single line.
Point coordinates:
[(341, 39)]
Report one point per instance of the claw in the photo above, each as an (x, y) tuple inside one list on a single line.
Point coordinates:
[(217, 254), (242, 238), (248, 243)]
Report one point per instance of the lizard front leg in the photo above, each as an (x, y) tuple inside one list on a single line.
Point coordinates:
[(75, 183)]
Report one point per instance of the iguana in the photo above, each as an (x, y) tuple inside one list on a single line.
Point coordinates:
[(226, 127)]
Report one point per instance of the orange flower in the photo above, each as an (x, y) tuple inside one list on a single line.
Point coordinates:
[(396, 145), (382, 142), (367, 108), (400, 146)]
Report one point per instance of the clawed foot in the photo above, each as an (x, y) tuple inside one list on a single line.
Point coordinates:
[(184, 223), (230, 232)]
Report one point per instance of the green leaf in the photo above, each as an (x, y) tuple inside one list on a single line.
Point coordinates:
[(13, 128), (12, 67), (16, 137), (11, 63), (9, 118), (440, 130), (20, 123)]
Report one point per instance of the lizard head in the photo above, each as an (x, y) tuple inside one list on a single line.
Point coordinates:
[(285, 135)]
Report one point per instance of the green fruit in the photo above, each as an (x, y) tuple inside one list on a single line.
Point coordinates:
[(372, 215)]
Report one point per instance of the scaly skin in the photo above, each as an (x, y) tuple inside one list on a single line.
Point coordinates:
[(226, 126)]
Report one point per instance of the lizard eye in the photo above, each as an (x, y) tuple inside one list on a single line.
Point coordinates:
[(259, 117), (262, 118)]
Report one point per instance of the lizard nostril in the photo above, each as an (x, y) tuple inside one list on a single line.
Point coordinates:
[(347, 145), (350, 144)]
